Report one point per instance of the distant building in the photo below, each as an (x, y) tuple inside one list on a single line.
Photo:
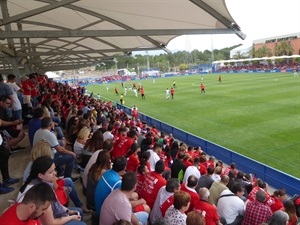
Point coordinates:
[(271, 42)]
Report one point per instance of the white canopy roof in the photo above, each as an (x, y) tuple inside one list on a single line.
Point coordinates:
[(68, 34)]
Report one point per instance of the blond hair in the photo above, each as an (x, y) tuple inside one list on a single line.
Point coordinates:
[(84, 133), (41, 148)]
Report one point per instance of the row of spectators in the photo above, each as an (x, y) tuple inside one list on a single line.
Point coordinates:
[(131, 173), (260, 67)]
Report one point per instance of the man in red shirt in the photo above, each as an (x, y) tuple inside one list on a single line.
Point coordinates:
[(26, 86), (135, 113), (123, 145), (34, 90), (189, 187), (207, 210), (142, 92), (172, 92), (202, 87), (36, 200), (152, 183)]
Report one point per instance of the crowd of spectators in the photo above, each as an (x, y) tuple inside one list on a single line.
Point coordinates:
[(131, 173), (240, 67)]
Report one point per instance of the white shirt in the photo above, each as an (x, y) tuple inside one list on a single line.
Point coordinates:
[(167, 92), (161, 197), (229, 207), (153, 159), (107, 135), (15, 88), (191, 170)]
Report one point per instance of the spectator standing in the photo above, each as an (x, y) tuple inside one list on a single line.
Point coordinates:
[(5, 90), (16, 107)]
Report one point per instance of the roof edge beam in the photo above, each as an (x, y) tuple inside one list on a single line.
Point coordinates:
[(219, 17), (7, 50), (36, 11), (73, 52), (109, 33)]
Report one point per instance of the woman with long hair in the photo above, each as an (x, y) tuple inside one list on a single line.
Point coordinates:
[(276, 200), (43, 170), (290, 209), (91, 145), (42, 148), (133, 159), (102, 164)]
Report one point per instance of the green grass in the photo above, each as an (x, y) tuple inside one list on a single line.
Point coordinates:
[(257, 115)]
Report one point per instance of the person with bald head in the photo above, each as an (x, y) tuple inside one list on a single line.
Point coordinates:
[(216, 189), (206, 209)]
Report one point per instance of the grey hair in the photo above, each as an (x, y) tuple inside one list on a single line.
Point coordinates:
[(278, 218), (204, 193)]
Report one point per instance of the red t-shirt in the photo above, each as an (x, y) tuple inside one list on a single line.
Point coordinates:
[(34, 89), (9, 217), (193, 194), (132, 163), (140, 183), (152, 183), (122, 147), (26, 85), (187, 163), (209, 211), (275, 204), (135, 113), (252, 194), (164, 207), (202, 168)]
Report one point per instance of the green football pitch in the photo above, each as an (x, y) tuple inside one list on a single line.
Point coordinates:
[(257, 115)]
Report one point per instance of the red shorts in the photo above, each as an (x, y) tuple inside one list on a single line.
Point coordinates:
[(139, 208)]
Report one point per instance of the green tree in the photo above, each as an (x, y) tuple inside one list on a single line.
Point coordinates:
[(239, 55), (284, 48), (264, 51), (252, 53)]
